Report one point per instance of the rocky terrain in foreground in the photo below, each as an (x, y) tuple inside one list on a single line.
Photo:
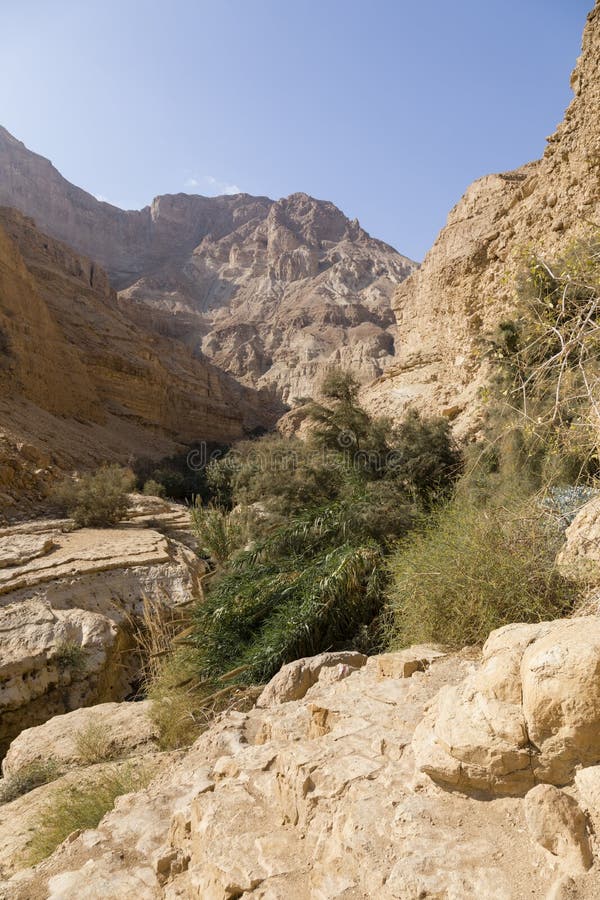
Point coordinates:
[(419, 773)]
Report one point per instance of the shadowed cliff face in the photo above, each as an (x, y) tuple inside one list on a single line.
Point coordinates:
[(272, 292), (81, 382), (466, 283)]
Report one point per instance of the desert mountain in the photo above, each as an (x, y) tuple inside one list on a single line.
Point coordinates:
[(269, 291), (466, 284), (80, 382)]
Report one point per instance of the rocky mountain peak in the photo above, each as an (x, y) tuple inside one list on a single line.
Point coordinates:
[(228, 275)]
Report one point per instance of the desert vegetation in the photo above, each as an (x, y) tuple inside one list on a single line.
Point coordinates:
[(370, 536), (297, 533), (72, 807), (95, 499), (488, 557)]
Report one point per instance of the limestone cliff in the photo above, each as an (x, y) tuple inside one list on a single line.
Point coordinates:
[(271, 291), (81, 382), (466, 282)]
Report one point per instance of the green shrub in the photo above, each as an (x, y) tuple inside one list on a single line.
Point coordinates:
[(26, 779), (286, 475), (98, 499), (424, 457), (221, 533), (153, 488), (69, 655), (473, 569), (307, 587), (73, 808)]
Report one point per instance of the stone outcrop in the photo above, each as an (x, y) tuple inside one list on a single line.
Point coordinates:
[(270, 291), (319, 797), (529, 714), (557, 824), (106, 731), (295, 679), (580, 554), (67, 601), (466, 284), (81, 382)]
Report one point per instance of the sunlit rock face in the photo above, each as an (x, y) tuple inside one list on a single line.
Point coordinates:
[(466, 284), (271, 291)]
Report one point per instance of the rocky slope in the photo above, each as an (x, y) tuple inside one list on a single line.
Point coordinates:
[(270, 291), (412, 774), (81, 381), (466, 283), (67, 601), (328, 795)]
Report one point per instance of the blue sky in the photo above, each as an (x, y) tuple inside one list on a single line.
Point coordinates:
[(388, 108)]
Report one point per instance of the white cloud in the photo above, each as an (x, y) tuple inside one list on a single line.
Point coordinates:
[(208, 184)]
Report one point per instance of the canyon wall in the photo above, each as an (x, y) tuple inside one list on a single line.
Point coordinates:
[(81, 382), (466, 284)]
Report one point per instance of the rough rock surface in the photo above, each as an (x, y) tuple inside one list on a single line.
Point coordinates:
[(529, 714), (580, 553), (294, 679), (309, 798), (557, 823), (110, 730), (65, 614), (270, 291), (82, 382), (466, 283)]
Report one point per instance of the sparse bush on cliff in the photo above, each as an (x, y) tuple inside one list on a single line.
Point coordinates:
[(69, 656), (472, 569), (97, 499), (544, 407), (26, 779)]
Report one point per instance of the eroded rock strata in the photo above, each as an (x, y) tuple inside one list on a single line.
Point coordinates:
[(81, 382)]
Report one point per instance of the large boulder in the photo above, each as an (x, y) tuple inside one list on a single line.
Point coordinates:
[(91, 734), (529, 714), (295, 679)]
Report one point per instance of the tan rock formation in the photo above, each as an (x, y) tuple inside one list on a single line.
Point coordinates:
[(466, 283), (556, 822), (309, 798), (295, 679), (80, 382), (530, 713), (116, 730), (66, 603), (270, 291), (580, 554)]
